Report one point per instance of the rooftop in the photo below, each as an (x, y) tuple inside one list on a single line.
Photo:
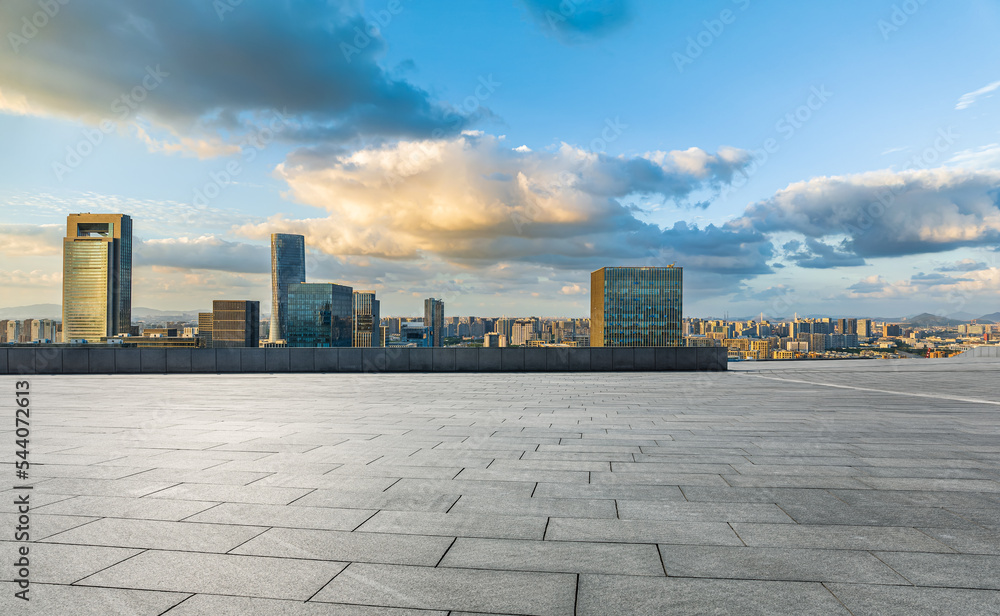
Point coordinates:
[(865, 487)]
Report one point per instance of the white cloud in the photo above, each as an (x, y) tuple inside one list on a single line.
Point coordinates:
[(969, 99)]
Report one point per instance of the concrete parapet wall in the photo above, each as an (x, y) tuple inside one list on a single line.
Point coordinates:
[(84, 360)]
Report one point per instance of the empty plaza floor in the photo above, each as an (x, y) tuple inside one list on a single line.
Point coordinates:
[(853, 487)]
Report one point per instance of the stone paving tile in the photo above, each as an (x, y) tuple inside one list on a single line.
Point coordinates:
[(701, 512), (958, 485), (65, 564), (262, 495), (508, 592), (104, 487), (211, 476), (778, 564), (864, 600), (149, 508), (516, 489), (973, 541), (43, 526), (886, 515), (86, 472), (949, 570), (919, 498), (81, 601), (227, 574), (554, 556), (567, 507), (838, 537), (215, 605), (601, 595), (347, 546), (159, 535), (608, 491), (806, 496), (641, 531), (659, 479), (456, 525), (379, 500), (319, 518)]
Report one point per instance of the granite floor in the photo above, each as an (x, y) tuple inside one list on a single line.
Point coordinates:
[(860, 487)]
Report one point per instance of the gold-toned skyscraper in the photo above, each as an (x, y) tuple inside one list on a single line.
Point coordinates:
[(97, 276)]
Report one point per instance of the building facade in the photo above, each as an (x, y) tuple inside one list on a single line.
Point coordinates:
[(366, 320), (636, 306), (288, 267), (320, 315), (205, 328), (235, 323), (97, 276), (434, 319)]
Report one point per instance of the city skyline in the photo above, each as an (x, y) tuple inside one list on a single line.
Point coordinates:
[(796, 175)]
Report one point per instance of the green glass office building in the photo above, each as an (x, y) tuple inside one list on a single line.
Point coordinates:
[(320, 315), (636, 306)]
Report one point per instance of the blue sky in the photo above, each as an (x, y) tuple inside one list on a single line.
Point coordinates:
[(837, 158)]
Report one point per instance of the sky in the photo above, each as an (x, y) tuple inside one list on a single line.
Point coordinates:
[(814, 158)]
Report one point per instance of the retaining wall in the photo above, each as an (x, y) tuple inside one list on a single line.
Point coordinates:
[(84, 360)]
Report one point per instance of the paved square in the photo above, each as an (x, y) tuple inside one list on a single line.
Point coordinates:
[(859, 487)]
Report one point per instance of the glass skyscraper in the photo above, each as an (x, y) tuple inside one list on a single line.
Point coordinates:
[(434, 319), (366, 320), (636, 306), (320, 315), (288, 267), (97, 276)]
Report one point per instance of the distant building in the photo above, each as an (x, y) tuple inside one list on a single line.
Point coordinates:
[(891, 331), (288, 267), (636, 306), (205, 328), (416, 334), (366, 320), (13, 333), (522, 332), (320, 315), (235, 323), (494, 340), (434, 319), (97, 276)]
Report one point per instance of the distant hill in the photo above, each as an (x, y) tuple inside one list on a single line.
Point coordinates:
[(990, 318), (34, 311), (54, 311), (931, 320)]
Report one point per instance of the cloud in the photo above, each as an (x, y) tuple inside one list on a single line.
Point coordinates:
[(967, 100), (885, 213), (953, 292), (203, 253), (984, 157), (819, 255), (575, 21), (574, 289), (965, 265), (218, 74), (472, 201), (31, 240)]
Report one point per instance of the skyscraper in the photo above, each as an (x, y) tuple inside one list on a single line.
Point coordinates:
[(97, 276), (434, 318), (235, 323), (320, 315), (636, 306), (366, 319), (205, 328), (288, 266)]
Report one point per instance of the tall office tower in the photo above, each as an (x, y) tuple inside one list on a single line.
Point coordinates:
[(205, 328), (27, 326), (13, 331), (434, 318), (636, 306), (3, 330), (504, 327), (366, 319), (97, 276), (288, 267), (235, 323), (522, 332), (320, 315)]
